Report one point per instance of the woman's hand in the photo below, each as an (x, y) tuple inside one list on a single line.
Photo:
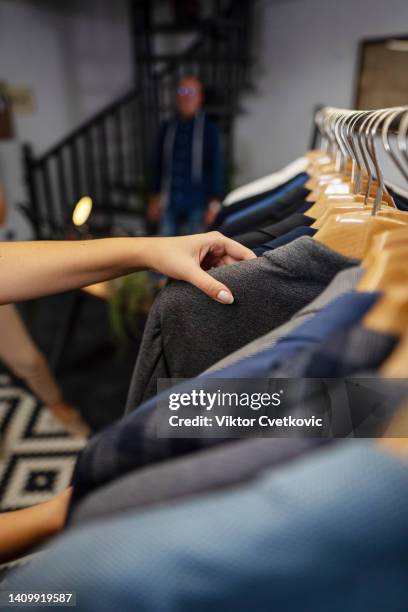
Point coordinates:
[(187, 257)]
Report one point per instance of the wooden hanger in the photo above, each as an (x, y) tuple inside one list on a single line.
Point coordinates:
[(317, 156), (352, 190), (362, 211), (384, 242), (346, 204), (352, 235), (388, 269)]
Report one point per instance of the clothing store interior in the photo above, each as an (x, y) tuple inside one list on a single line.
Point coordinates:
[(204, 305)]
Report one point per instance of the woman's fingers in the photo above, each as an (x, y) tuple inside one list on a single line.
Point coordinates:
[(209, 285), (232, 248)]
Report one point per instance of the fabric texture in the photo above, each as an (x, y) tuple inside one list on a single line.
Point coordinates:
[(342, 354), (399, 196), (273, 195), (265, 184), (343, 282), (284, 202), (205, 471), (273, 230), (334, 320), (187, 332), (134, 441), (174, 223), (325, 534), (298, 232), (183, 186)]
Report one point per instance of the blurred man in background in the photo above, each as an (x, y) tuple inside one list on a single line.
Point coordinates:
[(188, 173)]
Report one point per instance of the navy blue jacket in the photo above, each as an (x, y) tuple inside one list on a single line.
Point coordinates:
[(189, 166)]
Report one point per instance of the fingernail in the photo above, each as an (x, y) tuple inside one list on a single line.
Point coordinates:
[(225, 297)]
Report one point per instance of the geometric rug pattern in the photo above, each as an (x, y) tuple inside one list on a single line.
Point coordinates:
[(37, 454)]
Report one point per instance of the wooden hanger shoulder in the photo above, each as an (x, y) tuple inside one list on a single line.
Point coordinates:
[(390, 314), (387, 270), (351, 234)]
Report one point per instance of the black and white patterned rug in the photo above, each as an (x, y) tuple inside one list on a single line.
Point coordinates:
[(37, 455)]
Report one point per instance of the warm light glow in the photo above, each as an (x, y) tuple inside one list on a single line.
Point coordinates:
[(82, 211)]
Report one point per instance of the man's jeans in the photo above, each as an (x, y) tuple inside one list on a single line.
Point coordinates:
[(175, 223)]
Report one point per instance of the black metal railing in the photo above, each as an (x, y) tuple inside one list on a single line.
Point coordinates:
[(108, 157)]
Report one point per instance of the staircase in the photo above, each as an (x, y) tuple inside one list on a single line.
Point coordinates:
[(108, 157)]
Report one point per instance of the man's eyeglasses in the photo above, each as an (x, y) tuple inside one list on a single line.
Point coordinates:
[(187, 91)]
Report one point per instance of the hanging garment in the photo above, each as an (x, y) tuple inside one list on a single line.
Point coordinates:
[(208, 470), (134, 441), (340, 315), (362, 407), (274, 230), (298, 232), (293, 539), (186, 332), (399, 196), (343, 282), (343, 354), (273, 195), (265, 184), (268, 210)]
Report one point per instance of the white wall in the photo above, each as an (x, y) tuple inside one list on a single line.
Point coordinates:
[(307, 54), (75, 59)]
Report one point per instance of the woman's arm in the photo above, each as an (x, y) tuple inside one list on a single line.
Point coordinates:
[(23, 529), (33, 269)]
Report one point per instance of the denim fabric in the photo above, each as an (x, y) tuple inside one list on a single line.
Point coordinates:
[(175, 224)]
